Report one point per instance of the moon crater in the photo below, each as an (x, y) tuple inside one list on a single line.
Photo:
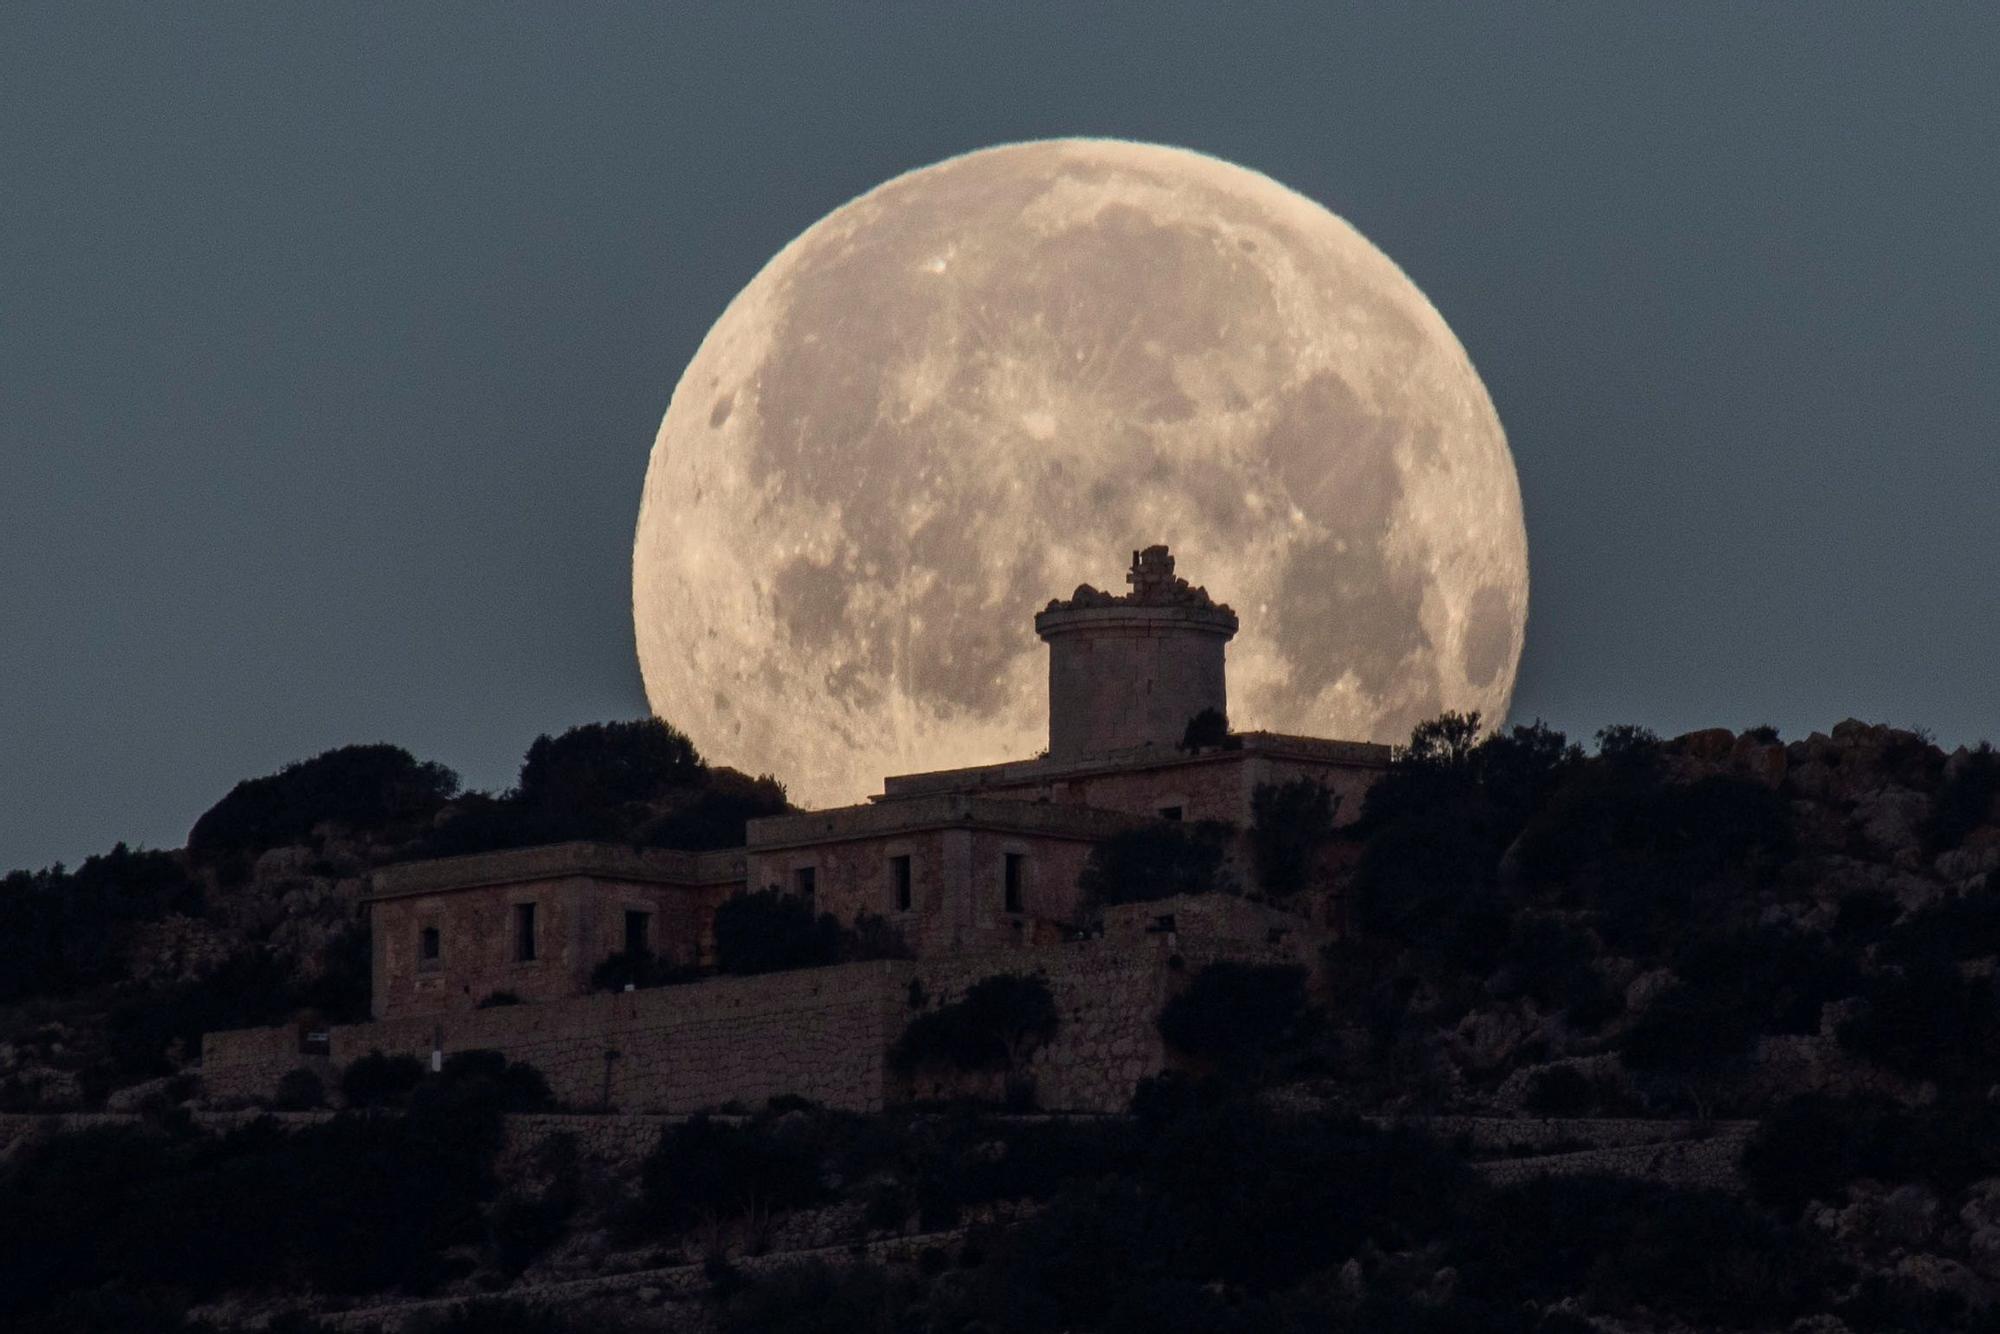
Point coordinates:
[(980, 383)]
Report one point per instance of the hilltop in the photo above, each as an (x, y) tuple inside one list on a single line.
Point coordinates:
[(1785, 951)]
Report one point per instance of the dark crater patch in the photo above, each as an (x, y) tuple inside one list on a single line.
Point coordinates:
[(720, 412), (811, 602), (1489, 634), (1343, 603)]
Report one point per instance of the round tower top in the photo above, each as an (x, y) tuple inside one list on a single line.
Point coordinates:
[(1154, 586)]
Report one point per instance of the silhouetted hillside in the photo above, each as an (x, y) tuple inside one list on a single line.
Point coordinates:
[(1697, 933)]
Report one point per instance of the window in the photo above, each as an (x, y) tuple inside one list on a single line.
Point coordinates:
[(1011, 868), (524, 932), (638, 932), (899, 882), (805, 883), (430, 947), (1170, 813)]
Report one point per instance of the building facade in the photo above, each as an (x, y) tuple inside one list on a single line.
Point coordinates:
[(963, 861)]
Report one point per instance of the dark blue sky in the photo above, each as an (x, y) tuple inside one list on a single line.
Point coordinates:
[(333, 339)]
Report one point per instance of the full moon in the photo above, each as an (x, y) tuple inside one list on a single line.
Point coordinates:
[(990, 379)]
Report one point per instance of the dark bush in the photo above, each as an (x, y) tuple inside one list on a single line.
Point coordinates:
[(1689, 1031), (1965, 799), (990, 1027), (299, 1091), (1959, 929), (1207, 728), (64, 928), (488, 1079), (717, 813), (873, 937), (251, 988), (1705, 1257), (817, 1298), (376, 1080), (603, 765), (360, 787), (1156, 862), (1233, 1013), (704, 1169), (503, 1315), (1813, 1145), (639, 969), (770, 931), (1290, 823), (1561, 1090), (1927, 1020), (353, 1205)]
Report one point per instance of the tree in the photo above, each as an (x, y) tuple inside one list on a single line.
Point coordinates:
[(360, 787), (606, 764), (1290, 823), (770, 931), (1233, 1013), (1156, 861), (990, 1027), (1209, 727)]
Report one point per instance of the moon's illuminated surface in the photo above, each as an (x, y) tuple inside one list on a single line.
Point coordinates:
[(989, 380)]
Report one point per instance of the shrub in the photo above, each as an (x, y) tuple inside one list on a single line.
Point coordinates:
[(1702, 1256), (770, 931), (1209, 727), (873, 937), (1927, 1020), (638, 969), (1965, 799), (817, 1298), (1561, 1090), (1156, 862), (1290, 822), (489, 1079), (1233, 1013), (990, 1027), (298, 1091), (361, 787), (602, 765), (63, 926), (704, 1169), (376, 1080)]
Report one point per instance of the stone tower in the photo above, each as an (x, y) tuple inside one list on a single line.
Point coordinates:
[(1132, 670)]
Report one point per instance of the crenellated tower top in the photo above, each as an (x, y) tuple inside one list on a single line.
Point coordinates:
[(1131, 671)]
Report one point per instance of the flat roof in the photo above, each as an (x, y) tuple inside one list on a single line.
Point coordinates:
[(553, 861), (878, 819), (1020, 773)]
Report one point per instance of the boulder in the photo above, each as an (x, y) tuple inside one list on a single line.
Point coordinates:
[(1714, 744), (1893, 820), (1937, 1273)]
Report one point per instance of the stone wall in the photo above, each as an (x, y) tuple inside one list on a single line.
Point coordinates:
[(1107, 998), (248, 1062), (578, 922), (821, 1033), (957, 890)]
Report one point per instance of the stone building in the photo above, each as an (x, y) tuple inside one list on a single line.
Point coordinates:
[(960, 861)]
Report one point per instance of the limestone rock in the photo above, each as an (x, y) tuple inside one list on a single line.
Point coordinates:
[(1941, 1274), (1647, 987)]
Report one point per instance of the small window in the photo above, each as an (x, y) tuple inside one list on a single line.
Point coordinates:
[(899, 882), (1011, 870), (524, 932), (805, 883), (1170, 813), (638, 932), (430, 945)]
